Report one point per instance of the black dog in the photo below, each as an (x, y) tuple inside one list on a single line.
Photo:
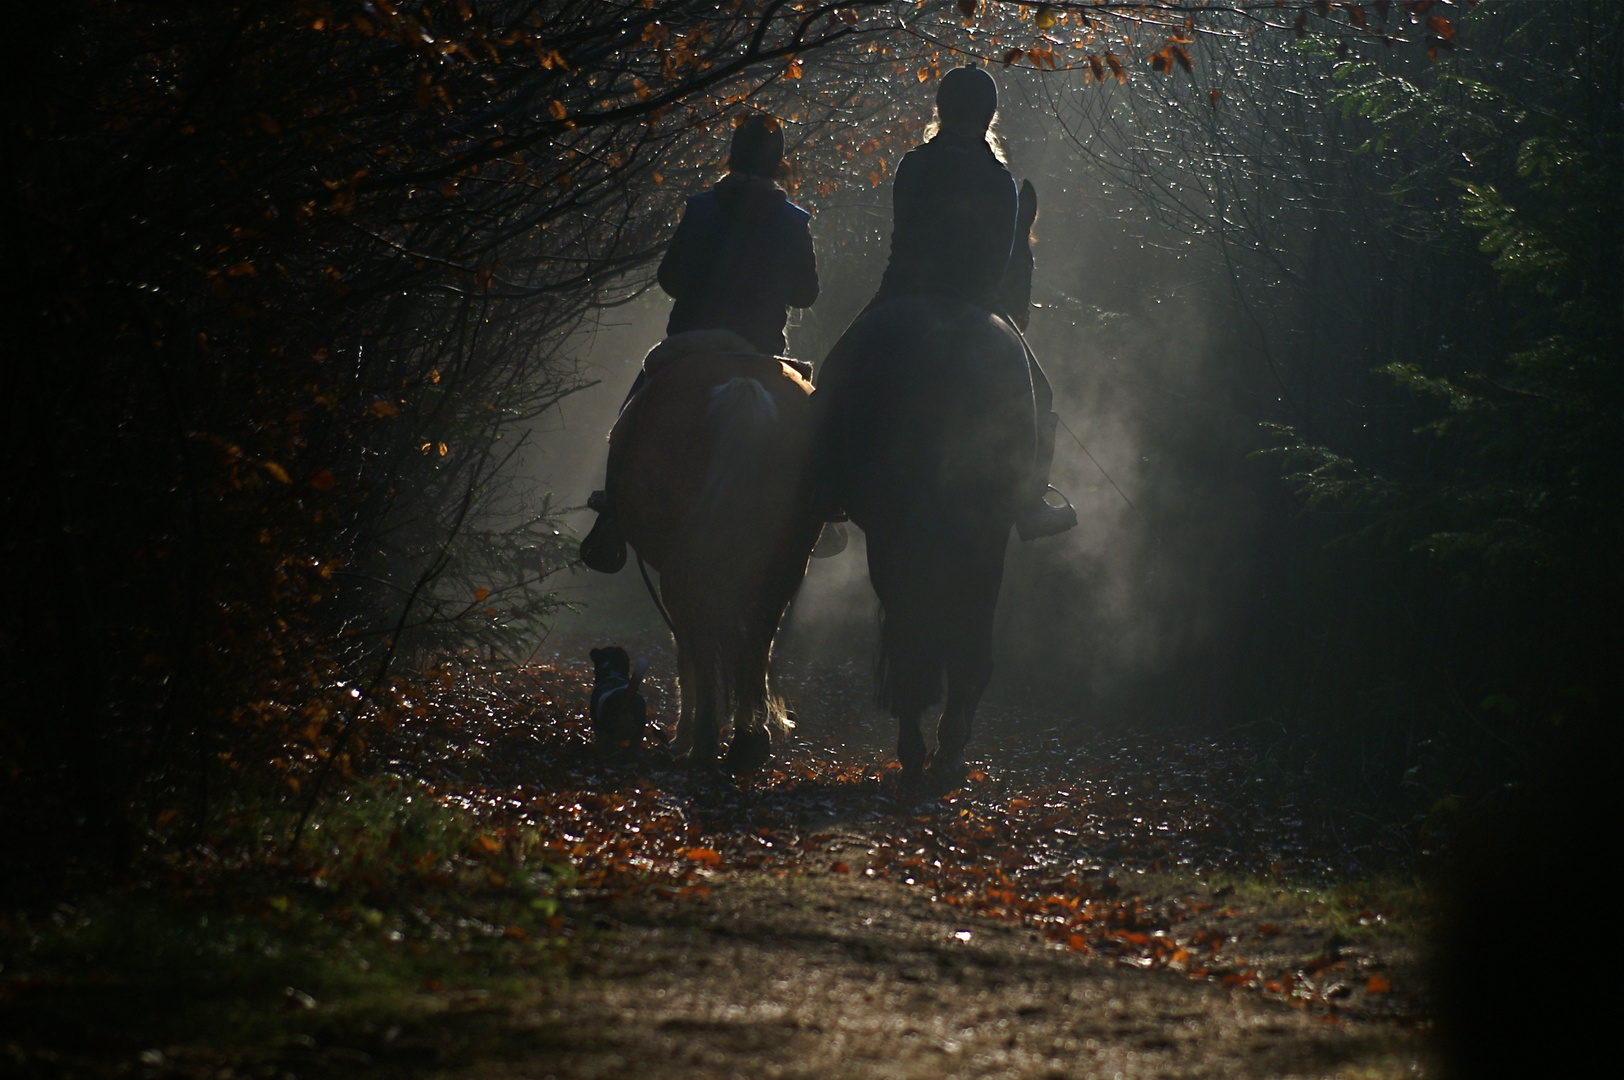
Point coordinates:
[(619, 713)]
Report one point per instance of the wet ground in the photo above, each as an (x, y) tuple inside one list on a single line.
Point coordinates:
[(838, 976), (1090, 904)]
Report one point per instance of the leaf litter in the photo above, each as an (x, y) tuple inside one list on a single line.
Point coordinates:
[(1153, 851), (482, 844)]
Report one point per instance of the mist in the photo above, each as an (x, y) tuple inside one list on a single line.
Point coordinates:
[(1122, 620)]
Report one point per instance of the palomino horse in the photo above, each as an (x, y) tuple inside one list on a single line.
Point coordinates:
[(708, 471), (925, 436)]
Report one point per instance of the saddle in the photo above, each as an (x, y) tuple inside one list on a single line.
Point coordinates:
[(713, 343)]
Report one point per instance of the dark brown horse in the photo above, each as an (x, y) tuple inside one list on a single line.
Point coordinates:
[(925, 436), (708, 469)]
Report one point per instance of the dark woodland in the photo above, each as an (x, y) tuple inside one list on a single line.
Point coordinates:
[(316, 316)]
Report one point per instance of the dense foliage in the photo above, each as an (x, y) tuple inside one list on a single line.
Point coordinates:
[(1497, 462)]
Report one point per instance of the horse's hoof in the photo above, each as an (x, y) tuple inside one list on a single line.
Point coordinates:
[(701, 755), (910, 780), (749, 752), (945, 777)]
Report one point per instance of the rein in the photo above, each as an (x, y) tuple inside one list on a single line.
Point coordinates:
[(655, 596)]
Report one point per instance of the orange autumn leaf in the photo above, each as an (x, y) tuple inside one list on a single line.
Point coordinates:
[(704, 855), (1377, 985)]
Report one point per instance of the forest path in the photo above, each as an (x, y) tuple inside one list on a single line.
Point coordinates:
[(834, 976), (1090, 904)]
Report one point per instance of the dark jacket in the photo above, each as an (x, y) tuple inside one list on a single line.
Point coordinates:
[(953, 225), (741, 257)]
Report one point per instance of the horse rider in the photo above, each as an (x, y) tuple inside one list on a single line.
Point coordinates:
[(961, 228), (741, 257)]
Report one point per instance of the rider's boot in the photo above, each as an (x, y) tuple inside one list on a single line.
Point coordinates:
[(604, 548), (1037, 517)]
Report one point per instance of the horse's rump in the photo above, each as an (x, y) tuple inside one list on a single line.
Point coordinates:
[(708, 471), (923, 411), (708, 434)]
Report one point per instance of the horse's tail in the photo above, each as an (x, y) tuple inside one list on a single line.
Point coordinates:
[(741, 415), (723, 533)]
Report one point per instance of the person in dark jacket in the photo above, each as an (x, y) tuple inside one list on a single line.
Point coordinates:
[(742, 255), (961, 227), (741, 258)]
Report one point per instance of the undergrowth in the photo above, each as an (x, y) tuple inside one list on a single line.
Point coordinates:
[(392, 904)]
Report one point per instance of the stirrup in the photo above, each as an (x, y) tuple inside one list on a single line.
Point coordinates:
[(604, 548), (1046, 519)]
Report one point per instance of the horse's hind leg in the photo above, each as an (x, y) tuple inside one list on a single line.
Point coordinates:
[(683, 741), (707, 734), (969, 662), (964, 689), (752, 740), (910, 745), (758, 708)]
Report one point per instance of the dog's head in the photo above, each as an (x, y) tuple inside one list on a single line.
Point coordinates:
[(613, 662)]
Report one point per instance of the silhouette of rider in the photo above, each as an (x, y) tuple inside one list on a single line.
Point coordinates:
[(961, 228), (741, 257)]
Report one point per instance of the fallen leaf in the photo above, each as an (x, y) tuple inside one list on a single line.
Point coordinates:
[(708, 856)]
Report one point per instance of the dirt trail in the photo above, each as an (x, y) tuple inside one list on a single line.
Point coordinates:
[(846, 932), (837, 976), (1089, 905)]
